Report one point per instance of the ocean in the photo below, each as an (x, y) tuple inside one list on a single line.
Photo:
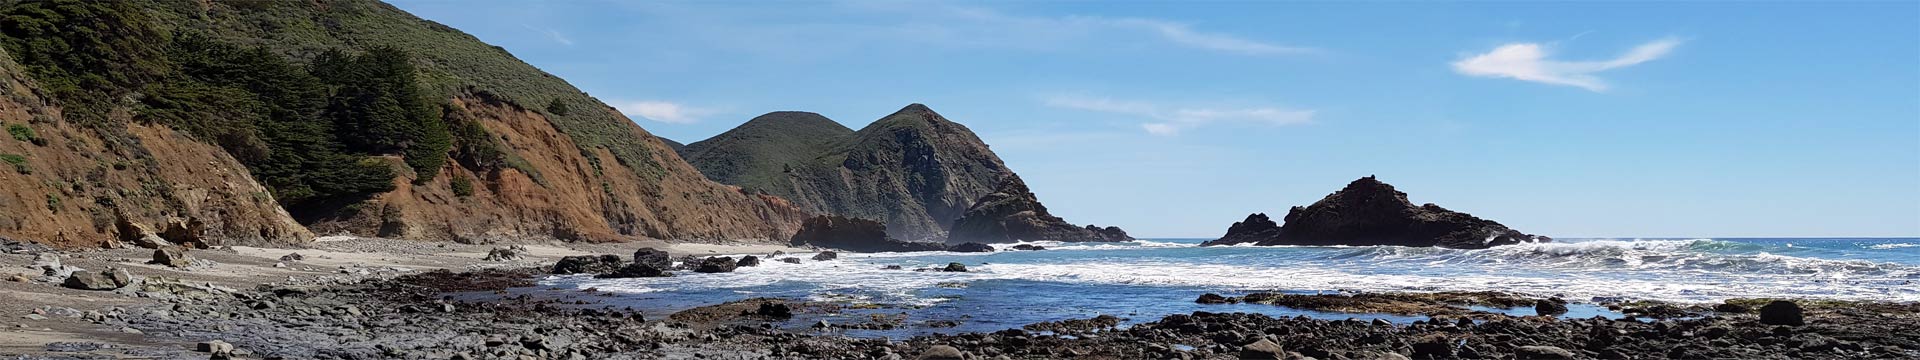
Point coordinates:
[(1147, 279)]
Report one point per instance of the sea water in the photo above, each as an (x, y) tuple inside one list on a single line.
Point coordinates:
[(1147, 279)]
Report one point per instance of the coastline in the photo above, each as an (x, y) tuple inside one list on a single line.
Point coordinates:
[(378, 298)]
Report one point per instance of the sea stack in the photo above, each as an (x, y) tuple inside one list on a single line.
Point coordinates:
[(1369, 212)]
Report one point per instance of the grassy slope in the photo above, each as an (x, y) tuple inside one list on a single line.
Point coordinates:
[(757, 154), (450, 60)]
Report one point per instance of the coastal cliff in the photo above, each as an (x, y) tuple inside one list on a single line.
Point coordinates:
[(913, 170), (1370, 212), (1013, 213), (262, 120)]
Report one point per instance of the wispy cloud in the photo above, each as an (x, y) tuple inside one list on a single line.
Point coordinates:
[(1171, 120), (1184, 34), (663, 111), (1529, 62), (552, 34)]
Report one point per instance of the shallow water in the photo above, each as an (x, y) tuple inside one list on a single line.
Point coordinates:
[(1148, 279)]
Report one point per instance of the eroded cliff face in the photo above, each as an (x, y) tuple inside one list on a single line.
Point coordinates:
[(1013, 213), (914, 170), (1368, 212), (68, 186), (559, 191)]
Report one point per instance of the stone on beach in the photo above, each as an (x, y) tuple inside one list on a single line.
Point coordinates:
[(173, 256), (88, 280), (825, 255), (717, 264), (1263, 349), (587, 264), (1549, 307), (749, 260), (972, 247), (941, 352), (1781, 312)]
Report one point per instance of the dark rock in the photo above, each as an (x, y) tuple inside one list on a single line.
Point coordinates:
[(954, 267), (1263, 349), (972, 247), (1731, 308), (790, 260), (1211, 298), (891, 267), (638, 270), (1370, 212), (1433, 346), (750, 260), (511, 253), (854, 234), (1544, 307), (586, 264), (717, 264), (653, 257), (1029, 247), (119, 277), (772, 309), (88, 280), (1781, 312), (293, 257), (1542, 352), (1012, 213), (172, 256), (825, 255)]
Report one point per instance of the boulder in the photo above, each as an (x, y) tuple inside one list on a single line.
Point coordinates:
[(172, 256), (637, 270), (139, 234), (1542, 352), (941, 352), (586, 264), (1782, 312), (88, 280), (1733, 308), (1029, 247), (749, 260), (215, 346), (293, 257), (791, 260), (119, 277), (853, 234), (653, 257), (50, 266), (1549, 307), (1433, 346), (1368, 212), (774, 310), (1211, 298), (972, 247), (824, 256), (1263, 349), (954, 267), (1012, 213), (717, 264), (511, 253)]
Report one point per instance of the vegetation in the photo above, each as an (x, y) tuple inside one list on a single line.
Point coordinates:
[(19, 163), (23, 133), (462, 185), (85, 53)]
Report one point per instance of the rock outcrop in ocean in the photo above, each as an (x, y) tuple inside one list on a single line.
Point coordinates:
[(1012, 213), (1370, 212), (854, 234)]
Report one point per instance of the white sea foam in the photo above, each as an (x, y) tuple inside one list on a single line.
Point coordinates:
[(1698, 270), (1892, 246)]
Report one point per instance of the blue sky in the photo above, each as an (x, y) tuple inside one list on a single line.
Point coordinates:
[(1703, 119)]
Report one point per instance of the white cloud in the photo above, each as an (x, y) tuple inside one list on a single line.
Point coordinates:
[(1185, 35), (662, 111), (1171, 120), (1529, 62), (551, 34)]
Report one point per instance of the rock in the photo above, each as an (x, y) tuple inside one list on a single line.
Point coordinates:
[(1029, 247), (1211, 298), (1731, 308), (825, 255), (173, 256), (1546, 307), (1781, 312), (1542, 352), (717, 264), (1012, 213), (653, 257), (1369, 212), (972, 247), (119, 277), (954, 267), (50, 266), (88, 280), (20, 278), (292, 257), (638, 270), (853, 234), (214, 346), (940, 352), (139, 234), (504, 254), (891, 267), (749, 260), (1262, 349), (776, 310), (586, 264), (1433, 346), (790, 260)]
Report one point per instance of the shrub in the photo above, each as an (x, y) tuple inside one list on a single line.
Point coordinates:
[(23, 133), (19, 163), (462, 185)]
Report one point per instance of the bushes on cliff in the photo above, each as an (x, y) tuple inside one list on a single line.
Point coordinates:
[(85, 53), (378, 107)]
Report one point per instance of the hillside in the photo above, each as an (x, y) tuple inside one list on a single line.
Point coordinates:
[(915, 170), (353, 116)]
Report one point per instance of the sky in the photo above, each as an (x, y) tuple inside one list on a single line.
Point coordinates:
[(1566, 119)]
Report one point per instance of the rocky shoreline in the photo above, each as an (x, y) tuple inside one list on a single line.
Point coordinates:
[(470, 315)]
